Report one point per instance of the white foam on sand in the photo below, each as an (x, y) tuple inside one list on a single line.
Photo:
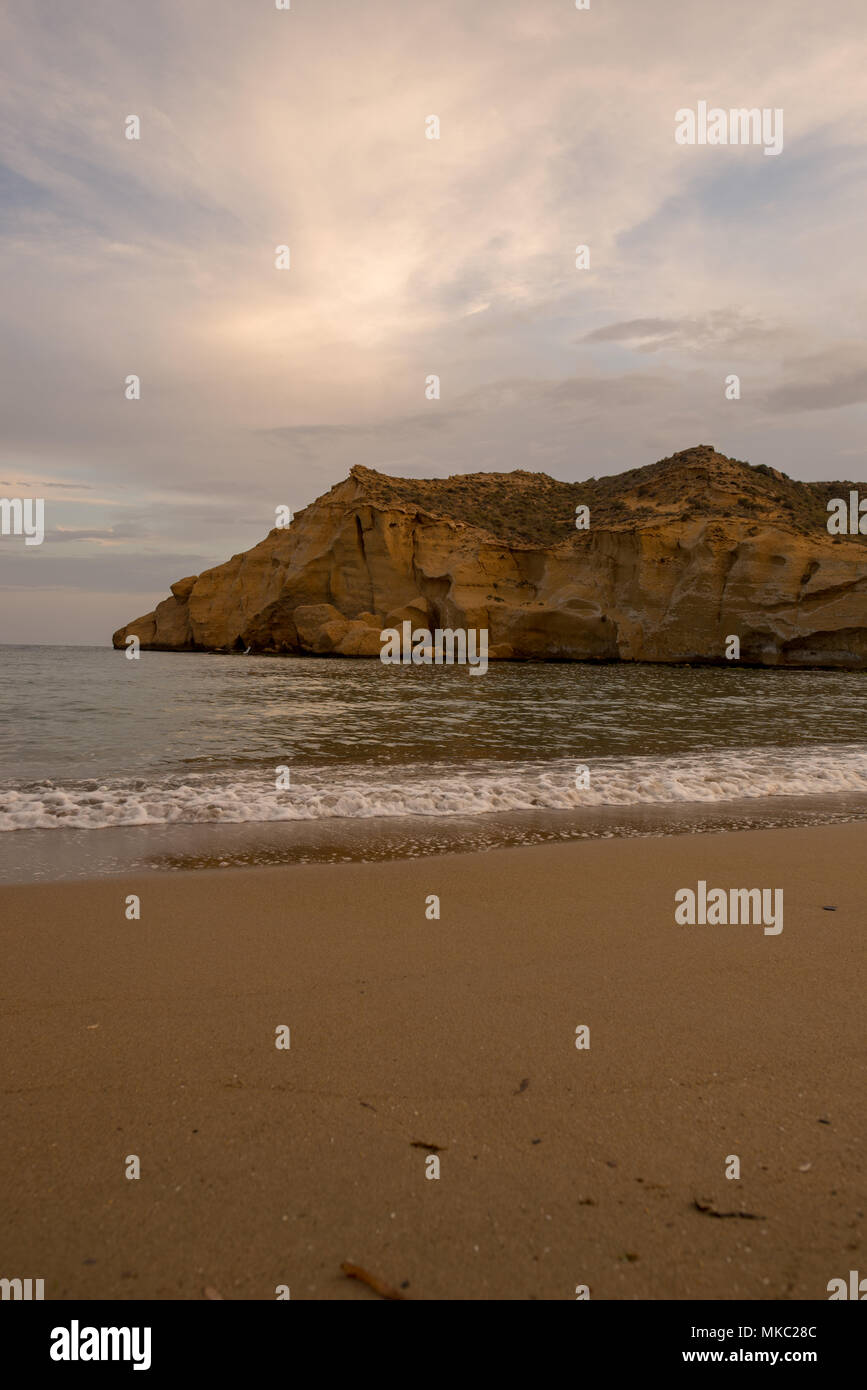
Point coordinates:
[(368, 790)]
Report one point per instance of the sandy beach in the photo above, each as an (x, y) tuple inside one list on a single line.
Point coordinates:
[(559, 1166)]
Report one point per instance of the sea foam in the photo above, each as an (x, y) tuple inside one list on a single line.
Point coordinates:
[(481, 787)]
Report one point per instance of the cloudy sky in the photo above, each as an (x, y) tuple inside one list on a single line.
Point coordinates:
[(409, 257)]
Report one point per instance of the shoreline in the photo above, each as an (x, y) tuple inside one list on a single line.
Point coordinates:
[(683, 662), (67, 855), (559, 1166)]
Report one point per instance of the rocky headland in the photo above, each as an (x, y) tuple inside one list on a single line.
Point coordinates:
[(678, 556)]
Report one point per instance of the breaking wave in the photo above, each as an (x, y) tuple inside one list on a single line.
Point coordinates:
[(483, 787)]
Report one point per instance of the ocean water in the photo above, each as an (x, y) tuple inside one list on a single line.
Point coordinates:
[(112, 765)]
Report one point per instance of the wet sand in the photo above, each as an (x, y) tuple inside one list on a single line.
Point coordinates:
[(558, 1166)]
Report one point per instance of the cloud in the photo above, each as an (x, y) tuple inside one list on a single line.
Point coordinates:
[(718, 332), (409, 256), (825, 381), (110, 535), (37, 568)]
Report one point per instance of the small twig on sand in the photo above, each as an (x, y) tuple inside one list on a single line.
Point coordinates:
[(710, 1210), (365, 1277)]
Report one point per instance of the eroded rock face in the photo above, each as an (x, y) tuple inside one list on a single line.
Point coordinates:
[(678, 556)]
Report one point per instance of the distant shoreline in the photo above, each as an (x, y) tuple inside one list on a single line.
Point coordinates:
[(691, 665)]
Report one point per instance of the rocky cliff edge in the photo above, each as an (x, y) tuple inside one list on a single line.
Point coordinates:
[(677, 557)]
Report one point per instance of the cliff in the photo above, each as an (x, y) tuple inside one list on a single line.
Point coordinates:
[(678, 555)]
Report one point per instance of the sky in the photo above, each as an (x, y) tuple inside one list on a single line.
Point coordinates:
[(409, 257)]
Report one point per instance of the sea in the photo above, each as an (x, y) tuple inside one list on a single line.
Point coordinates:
[(188, 760)]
